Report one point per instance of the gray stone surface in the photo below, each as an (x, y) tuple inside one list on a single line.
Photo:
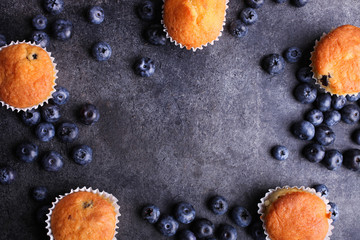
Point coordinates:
[(203, 124)]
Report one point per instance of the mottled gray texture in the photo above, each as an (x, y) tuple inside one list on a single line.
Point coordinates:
[(202, 125)]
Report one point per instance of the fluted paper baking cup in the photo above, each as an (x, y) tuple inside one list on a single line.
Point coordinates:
[(264, 202), (202, 46), (53, 88), (103, 194)]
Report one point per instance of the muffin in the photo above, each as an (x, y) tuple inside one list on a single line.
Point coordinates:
[(194, 23), (27, 76), (83, 214), (335, 61), (295, 213)]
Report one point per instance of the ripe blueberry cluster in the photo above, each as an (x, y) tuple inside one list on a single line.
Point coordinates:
[(321, 188)]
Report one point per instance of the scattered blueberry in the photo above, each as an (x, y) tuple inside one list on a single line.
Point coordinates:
[(257, 231), (146, 11), (41, 214), (54, 7), (315, 117), (184, 212), (321, 188), (332, 117), (96, 15), (305, 93), (150, 213), (155, 35), (304, 75), (241, 216), (27, 152), (353, 98), (334, 211), (203, 228), (50, 113), (186, 235), (352, 159), (52, 161), (303, 130), (7, 175), (238, 29), (324, 135), (67, 132), (280, 153), (226, 232), (167, 225), (248, 16), (40, 38), (254, 3), (61, 96), (273, 64), (218, 205), (332, 159), (323, 102), (101, 51), (89, 114), (45, 131), (82, 154), (292, 54), (62, 29), (338, 102), (145, 67), (31, 117), (2, 40), (39, 193), (39, 22), (355, 136), (299, 3), (314, 152), (350, 113)]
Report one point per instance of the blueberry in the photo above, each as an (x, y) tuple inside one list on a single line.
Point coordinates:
[(321, 188), (40, 38), (238, 29), (203, 228), (226, 232), (314, 152), (299, 3), (324, 135), (292, 54), (39, 193), (61, 96), (303, 130), (54, 7), (355, 136), (352, 159), (145, 67), (280, 153), (2, 40), (332, 159), (353, 98), (218, 205), (254, 3), (279, 1), (7, 175), (241, 216), (350, 114), (305, 93), (186, 235), (39, 22), (67, 132), (50, 113), (27, 152), (96, 15), (155, 35), (315, 117), (89, 114), (101, 51), (146, 10), (332, 117), (184, 212), (248, 16), (62, 29), (150, 213), (257, 231), (45, 131), (41, 214), (167, 225), (323, 102), (338, 102), (31, 117), (82, 154), (273, 64), (52, 161), (304, 75), (334, 211)]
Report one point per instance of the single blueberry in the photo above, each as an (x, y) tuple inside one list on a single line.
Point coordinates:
[(67, 132), (45, 131), (315, 117), (203, 228), (31, 117), (167, 225), (292, 54), (338, 102), (226, 232), (27, 152), (82, 154), (101, 51), (41, 214), (241, 216), (144, 67), (52, 161), (352, 159), (299, 3), (89, 114), (334, 211), (350, 114), (332, 159), (96, 15), (150, 213), (322, 188), (355, 136), (324, 135), (39, 22), (280, 153), (62, 29), (238, 29), (186, 235), (61, 96), (257, 231), (353, 98), (303, 130), (332, 117), (273, 64), (305, 93), (7, 175), (155, 35), (255, 3), (54, 7), (146, 10), (184, 212), (218, 205), (314, 152), (50, 113), (279, 1), (39, 193), (248, 16), (323, 102), (2, 40), (40, 38), (304, 75)]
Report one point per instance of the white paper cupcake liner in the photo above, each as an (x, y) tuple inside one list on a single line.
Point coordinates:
[(264, 203), (103, 194), (183, 46), (53, 88)]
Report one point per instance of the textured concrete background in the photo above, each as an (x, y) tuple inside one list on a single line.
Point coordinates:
[(202, 125)]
